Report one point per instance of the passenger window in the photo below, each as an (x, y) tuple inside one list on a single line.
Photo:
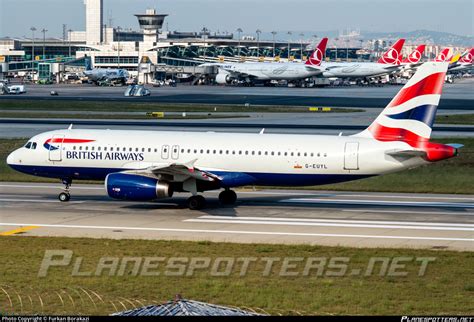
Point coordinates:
[(312, 154), (124, 149), (292, 153), (299, 154), (286, 153), (273, 153), (259, 152), (80, 147), (182, 150), (266, 152), (156, 150), (305, 154), (98, 148), (105, 148), (143, 149), (202, 151)]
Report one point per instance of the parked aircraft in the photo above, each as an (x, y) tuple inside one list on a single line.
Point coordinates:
[(389, 63), (113, 75), (291, 71)]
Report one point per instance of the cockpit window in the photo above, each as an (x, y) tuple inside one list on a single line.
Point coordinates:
[(28, 145), (33, 145)]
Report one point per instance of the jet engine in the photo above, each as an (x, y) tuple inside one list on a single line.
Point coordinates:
[(125, 186), (223, 79)]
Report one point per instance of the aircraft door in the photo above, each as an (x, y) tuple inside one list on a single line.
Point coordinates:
[(351, 156), (175, 152), (55, 147)]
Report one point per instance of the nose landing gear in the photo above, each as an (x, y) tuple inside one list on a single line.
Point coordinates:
[(65, 195)]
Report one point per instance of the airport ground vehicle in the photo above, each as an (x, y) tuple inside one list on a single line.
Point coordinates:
[(137, 90)]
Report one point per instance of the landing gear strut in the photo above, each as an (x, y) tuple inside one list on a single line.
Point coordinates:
[(196, 202), (65, 195), (228, 197)]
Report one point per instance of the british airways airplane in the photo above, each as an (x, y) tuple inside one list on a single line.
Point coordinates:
[(149, 165)]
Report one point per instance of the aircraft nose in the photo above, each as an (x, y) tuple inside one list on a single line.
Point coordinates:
[(12, 159)]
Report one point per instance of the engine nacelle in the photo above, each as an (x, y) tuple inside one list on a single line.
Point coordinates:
[(223, 79), (134, 187)]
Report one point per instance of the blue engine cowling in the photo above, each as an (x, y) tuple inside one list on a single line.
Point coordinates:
[(134, 187)]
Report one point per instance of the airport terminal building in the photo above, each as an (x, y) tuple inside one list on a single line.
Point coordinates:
[(151, 52)]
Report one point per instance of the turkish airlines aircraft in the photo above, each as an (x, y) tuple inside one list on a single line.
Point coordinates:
[(444, 55), (464, 63), (272, 71), (149, 165), (389, 63), (415, 56)]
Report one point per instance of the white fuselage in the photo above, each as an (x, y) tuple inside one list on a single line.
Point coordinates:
[(272, 71), (237, 158), (356, 69)]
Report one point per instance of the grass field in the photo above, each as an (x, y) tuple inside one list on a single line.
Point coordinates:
[(466, 119), (450, 176), (58, 105), (447, 288)]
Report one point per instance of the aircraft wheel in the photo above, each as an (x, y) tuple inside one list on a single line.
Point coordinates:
[(196, 202), (64, 196), (228, 197)]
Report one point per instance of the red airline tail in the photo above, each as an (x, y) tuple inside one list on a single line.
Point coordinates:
[(393, 55), (415, 56), (468, 57), (443, 56), (318, 54)]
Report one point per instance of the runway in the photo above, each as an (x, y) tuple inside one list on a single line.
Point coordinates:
[(356, 219)]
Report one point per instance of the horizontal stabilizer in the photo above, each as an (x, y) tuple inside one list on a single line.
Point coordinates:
[(406, 153), (455, 145)]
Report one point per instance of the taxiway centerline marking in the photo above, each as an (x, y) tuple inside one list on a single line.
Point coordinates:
[(18, 230)]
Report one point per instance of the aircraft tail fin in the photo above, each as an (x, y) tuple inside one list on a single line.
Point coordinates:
[(443, 55), (317, 56), (468, 57), (410, 115), (415, 56), (393, 55)]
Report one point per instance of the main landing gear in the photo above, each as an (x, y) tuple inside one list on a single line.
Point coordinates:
[(65, 195), (226, 197)]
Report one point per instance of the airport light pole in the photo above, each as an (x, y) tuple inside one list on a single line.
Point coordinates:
[(33, 29), (69, 40), (274, 34), (347, 49), (301, 43), (118, 46), (239, 31), (258, 41), (335, 45), (289, 49), (44, 42)]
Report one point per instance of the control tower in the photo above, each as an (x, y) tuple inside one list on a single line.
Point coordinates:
[(94, 21), (150, 23)]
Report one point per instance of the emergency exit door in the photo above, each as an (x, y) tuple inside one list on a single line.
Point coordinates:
[(351, 156)]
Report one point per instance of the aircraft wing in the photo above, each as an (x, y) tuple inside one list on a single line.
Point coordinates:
[(176, 172)]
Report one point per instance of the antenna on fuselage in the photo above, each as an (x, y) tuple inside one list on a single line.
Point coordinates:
[(261, 132), (70, 127)]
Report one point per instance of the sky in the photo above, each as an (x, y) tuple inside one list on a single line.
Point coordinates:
[(453, 16)]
